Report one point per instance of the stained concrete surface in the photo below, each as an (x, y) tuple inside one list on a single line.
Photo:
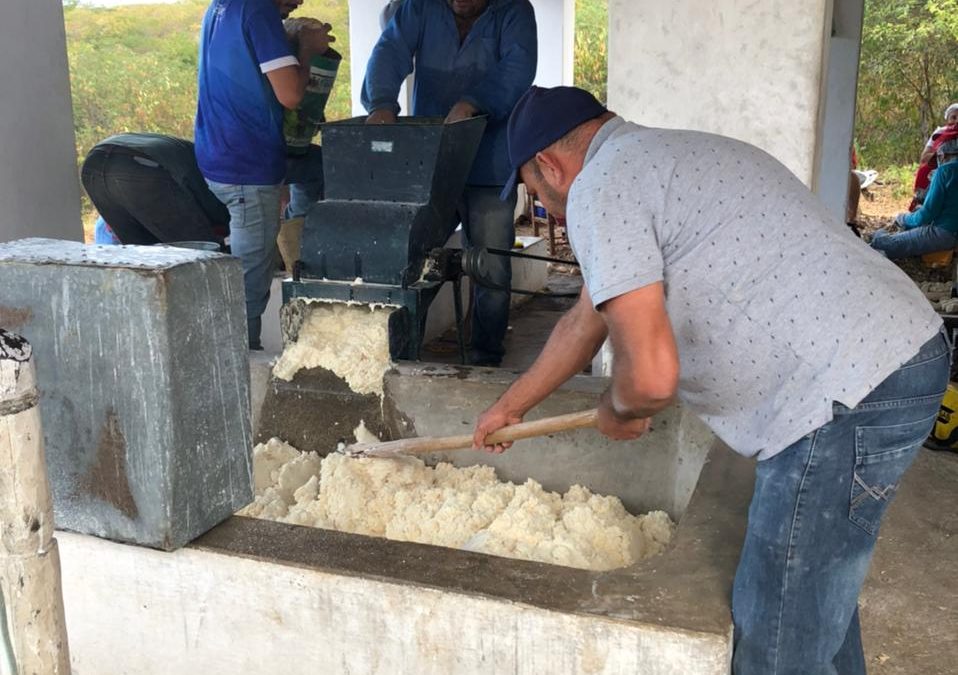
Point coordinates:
[(909, 605)]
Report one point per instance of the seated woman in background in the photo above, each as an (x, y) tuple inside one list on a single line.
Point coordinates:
[(951, 122), (934, 226), (928, 162)]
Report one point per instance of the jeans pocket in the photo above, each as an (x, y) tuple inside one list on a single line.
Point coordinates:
[(882, 455)]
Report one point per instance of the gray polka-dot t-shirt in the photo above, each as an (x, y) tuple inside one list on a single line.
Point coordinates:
[(778, 310)]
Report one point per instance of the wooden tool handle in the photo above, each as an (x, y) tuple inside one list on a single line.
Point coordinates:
[(515, 432)]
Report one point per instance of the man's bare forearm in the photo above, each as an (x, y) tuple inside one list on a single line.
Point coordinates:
[(571, 346)]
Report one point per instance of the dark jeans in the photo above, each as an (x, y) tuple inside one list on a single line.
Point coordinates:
[(488, 222), (140, 201), (814, 520), (304, 175)]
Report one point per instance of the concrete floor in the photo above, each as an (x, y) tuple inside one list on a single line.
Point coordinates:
[(909, 605)]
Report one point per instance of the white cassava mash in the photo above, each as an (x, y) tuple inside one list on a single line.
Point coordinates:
[(405, 500), (939, 295), (350, 340)]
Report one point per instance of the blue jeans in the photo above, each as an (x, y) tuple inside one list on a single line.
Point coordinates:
[(254, 224), (914, 242), (304, 175), (813, 523), (489, 222)]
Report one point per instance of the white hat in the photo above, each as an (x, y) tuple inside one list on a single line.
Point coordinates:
[(950, 109)]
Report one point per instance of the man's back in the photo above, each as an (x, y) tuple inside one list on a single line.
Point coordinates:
[(777, 310)]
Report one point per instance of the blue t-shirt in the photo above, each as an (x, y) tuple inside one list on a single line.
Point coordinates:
[(239, 121), (103, 235), (940, 207)]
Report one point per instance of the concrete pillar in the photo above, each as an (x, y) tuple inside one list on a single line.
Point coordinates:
[(32, 626), (39, 186), (837, 128), (556, 23), (748, 70), (555, 20)]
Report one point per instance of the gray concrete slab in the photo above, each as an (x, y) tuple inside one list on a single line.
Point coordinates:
[(144, 378)]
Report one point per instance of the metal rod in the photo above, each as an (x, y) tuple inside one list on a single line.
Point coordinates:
[(460, 328), (514, 254)]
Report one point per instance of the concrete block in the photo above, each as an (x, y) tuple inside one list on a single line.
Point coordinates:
[(143, 371)]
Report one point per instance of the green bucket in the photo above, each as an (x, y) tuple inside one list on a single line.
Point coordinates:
[(300, 126)]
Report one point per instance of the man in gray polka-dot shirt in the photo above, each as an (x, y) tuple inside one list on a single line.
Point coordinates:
[(721, 281)]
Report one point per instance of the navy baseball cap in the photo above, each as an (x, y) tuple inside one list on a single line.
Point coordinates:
[(541, 117)]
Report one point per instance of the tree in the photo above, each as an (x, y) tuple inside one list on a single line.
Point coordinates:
[(907, 77)]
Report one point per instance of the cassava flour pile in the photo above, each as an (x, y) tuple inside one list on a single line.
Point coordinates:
[(939, 295), (350, 340), (406, 500)]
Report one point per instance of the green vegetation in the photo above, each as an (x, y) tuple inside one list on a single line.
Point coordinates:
[(907, 78), (134, 69), (591, 46)]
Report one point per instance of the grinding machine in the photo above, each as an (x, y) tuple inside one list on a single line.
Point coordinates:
[(377, 238)]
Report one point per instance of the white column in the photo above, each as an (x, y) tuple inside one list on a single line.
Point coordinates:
[(32, 627), (745, 69), (364, 31), (555, 20), (840, 87), (39, 185)]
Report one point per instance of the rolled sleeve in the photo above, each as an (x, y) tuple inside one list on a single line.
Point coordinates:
[(275, 64)]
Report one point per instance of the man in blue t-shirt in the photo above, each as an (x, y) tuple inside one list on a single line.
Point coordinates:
[(247, 74), (471, 57)]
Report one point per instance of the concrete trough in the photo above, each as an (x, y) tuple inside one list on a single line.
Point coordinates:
[(257, 596)]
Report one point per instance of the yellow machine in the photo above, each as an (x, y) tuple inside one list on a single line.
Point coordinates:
[(944, 436)]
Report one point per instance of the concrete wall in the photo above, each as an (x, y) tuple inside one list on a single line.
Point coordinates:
[(838, 106), (555, 20), (39, 185), (135, 610), (746, 69)]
